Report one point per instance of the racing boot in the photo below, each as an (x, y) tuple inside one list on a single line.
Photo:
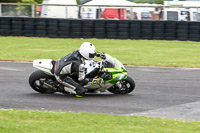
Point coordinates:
[(79, 96), (80, 91)]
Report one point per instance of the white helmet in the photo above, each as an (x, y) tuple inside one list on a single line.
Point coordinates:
[(87, 50)]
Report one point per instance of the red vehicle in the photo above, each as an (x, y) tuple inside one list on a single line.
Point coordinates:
[(112, 13)]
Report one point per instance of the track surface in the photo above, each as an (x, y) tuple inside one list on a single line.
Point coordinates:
[(160, 92)]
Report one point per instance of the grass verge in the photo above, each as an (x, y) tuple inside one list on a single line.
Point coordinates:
[(21, 121), (131, 52)]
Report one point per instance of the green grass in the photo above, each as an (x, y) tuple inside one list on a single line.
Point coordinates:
[(131, 52), (19, 121)]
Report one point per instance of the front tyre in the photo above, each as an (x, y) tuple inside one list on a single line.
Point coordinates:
[(39, 76), (128, 85)]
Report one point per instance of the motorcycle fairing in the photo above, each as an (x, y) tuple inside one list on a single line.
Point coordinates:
[(44, 65)]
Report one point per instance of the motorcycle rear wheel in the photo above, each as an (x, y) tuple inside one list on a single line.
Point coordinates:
[(128, 85), (37, 76)]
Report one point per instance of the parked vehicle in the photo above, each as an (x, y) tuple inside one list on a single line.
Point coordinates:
[(182, 14), (146, 16)]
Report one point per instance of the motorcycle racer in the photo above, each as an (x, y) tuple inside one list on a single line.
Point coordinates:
[(73, 64)]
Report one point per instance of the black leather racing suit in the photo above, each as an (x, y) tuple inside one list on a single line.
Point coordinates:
[(66, 67)]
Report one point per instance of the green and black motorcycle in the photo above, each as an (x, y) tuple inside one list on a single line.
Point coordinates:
[(113, 72)]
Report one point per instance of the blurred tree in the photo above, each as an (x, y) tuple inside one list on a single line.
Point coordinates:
[(38, 1), (78, 1), (10, 1), (21, 1), (150, 1)]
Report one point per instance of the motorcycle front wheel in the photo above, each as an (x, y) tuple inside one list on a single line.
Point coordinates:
[(128, 85), (36, 79)]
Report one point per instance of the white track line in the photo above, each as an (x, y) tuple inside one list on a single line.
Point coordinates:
[(10, 69), (177, 68), (15, 62)]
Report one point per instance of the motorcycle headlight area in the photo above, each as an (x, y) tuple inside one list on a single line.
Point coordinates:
[(121, 76)]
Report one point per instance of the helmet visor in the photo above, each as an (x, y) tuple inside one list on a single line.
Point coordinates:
[(91, 55)]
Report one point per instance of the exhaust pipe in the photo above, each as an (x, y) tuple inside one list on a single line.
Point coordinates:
[(41, 83)]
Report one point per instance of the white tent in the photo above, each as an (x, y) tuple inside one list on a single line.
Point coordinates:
[(110, 3), (59, 11)]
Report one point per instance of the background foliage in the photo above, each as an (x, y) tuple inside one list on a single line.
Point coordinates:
[(140, 1), (151, 1), (79, 1), (21, 1)]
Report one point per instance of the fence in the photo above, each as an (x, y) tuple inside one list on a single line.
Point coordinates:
[(112, 29), (158, 12), (14, 9)]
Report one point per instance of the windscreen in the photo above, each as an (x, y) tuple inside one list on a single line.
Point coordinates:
[(110, 63)]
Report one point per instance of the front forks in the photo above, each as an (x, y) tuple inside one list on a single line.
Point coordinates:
[(119, 85)]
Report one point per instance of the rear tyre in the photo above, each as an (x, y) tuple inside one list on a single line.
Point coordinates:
[(38, 76), (128, 85)]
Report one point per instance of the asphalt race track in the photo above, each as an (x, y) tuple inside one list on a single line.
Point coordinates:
[(160, 92)]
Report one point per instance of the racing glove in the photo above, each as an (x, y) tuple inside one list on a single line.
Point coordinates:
[(97, 81), (101, 55)]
